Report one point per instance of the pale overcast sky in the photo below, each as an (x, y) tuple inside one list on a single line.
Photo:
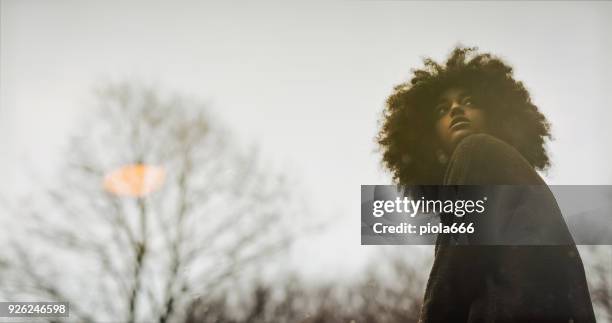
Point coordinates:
[(304, 81)]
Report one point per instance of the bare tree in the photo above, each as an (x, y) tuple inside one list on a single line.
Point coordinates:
[(598, 266), (154, 205), (391, 295)]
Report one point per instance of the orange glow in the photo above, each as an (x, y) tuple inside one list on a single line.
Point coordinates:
[(135, 180)]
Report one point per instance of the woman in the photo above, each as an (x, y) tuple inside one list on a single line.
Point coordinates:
[(469, 122)]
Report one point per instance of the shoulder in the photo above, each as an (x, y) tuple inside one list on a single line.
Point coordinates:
[(482, 143), (481, 159)]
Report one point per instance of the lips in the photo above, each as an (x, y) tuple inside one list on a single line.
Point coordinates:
[(459, 122)]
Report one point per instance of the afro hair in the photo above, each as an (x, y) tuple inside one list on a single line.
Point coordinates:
[(407, 139)]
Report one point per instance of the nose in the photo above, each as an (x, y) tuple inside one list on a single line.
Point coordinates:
[(456, 109)]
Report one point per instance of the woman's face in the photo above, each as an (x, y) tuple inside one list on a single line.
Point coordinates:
[(457, 117)]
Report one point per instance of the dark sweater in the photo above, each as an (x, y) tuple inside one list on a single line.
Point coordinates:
[(506, 283)]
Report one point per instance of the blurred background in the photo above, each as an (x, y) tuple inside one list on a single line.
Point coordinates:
[(202, 162)]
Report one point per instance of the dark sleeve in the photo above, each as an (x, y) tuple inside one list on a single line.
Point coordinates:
[(475, 282), (521, 209), (481, 159), (458, 274)]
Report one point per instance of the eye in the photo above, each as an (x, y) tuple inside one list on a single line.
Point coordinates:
[(441, 110), (467, 101)]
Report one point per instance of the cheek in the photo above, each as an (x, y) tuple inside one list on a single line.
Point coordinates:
[(441, 128), (478, 118)]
